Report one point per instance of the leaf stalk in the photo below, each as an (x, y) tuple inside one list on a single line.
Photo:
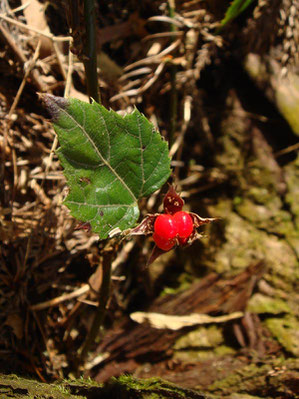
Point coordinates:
[(90, 59)]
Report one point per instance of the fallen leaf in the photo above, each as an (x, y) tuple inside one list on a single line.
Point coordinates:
[(160, 321)]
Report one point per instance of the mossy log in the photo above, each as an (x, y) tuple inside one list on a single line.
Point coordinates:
[(274, 379), (124, 387)]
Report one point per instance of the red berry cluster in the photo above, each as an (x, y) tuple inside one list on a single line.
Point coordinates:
[(172, 229)]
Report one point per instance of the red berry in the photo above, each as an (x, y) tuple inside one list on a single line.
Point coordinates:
[(165, 226), (163, 243), (165, 231), (169, 228), (184, 224)]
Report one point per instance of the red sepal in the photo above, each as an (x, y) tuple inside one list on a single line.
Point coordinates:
[(172, 202)]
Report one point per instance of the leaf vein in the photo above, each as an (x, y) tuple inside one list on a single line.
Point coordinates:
[(107, 133), (118, 222), (98, 152), (82, 164), (101, 206)]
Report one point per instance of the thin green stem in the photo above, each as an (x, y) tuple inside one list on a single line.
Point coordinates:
[(101, 309), (90, 59), (173, 93)]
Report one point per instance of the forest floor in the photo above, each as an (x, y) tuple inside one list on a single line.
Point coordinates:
[(234, 98)]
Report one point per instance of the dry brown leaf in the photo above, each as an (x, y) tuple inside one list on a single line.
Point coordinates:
[(160, 321), (35, 17)]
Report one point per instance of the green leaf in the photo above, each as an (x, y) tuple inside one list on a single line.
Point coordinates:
[(109, 161), (234, 10)]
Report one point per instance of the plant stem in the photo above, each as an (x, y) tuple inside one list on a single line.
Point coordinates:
[(173, 93), (101, 310), (90, 59)]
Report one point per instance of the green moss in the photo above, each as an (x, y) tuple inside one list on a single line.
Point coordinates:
[(291, 172), (260, 303), (152, 388), (286, 331), (243, 396), (144, 384), (124, 387), (230, 157), (267, 217), (63, 389), (245, 244), (152, 396), (193, 356), (253, 377), (181, 283), (36, 389), (204, 337), (201, 344), (223, 350), (260, 195)]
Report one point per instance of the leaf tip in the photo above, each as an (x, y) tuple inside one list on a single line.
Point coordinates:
[(53, 104)]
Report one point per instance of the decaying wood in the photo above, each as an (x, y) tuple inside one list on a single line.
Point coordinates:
[(211, 295), (124, 388)]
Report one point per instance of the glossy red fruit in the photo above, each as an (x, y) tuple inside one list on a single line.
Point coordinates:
[(165, 226), (165, 232), (184, 223), (164, 243), (169, 228)]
